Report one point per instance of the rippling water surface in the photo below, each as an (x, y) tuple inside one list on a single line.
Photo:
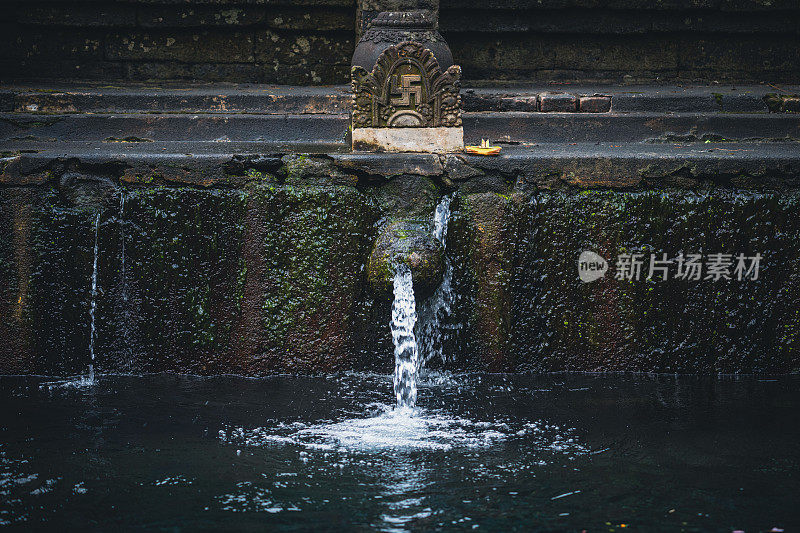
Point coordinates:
[(481, 452)]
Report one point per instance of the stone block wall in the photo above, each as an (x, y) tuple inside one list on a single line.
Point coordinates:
[(624, 40), (288, 42), (310, 42)]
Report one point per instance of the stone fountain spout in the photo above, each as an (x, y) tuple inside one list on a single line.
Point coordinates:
[(407, 242)]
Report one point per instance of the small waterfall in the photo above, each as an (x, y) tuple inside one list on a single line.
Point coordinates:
[(408, 328), (88, 379), (441, 218), (93, 304), (406, 355), (437, 308), (122, 238)]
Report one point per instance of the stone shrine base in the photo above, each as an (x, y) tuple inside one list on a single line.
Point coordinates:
[(435, 140)]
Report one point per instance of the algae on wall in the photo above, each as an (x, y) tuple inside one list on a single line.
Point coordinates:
[(524, 254), (176, 304), (307, 249), (272, 278), (266, 279)]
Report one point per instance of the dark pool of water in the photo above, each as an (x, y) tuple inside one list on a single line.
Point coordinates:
[(485, 453)]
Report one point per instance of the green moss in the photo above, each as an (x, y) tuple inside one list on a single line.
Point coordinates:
[(315, 244), (183, 264), (259, 175)]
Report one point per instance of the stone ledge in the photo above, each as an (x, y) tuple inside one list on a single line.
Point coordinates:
[(587, 165), (305, 131)]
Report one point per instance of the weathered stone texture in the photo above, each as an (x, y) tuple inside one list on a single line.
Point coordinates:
[(77, 14), (405, 235), (47, 264), (196, 47), (429, 140), (304, 280), (594, 104), (273, 276), (558, 40), (306, 43), (518, 269), (481, 242), (267, 279), (558, 102), (575, 40), (16, 206)]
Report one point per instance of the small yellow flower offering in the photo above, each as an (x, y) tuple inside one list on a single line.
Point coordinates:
[(483, 149)]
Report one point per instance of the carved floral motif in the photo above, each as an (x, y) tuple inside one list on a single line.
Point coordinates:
[(382, 36), (406, 88)]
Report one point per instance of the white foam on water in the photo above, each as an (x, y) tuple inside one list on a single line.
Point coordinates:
[(404, 429), (252, 498), (74, 382)]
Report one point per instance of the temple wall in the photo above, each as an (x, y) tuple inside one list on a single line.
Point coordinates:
[(310, 42), (624, 40), (300, 43), (265, 271)]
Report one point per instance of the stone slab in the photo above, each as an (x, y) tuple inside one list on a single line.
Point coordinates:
[(435, 140)]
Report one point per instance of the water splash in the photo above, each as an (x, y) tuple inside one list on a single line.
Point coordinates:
[(400, 430), (406, 355), (434, 312)]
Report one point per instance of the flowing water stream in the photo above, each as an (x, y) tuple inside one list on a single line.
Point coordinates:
[(417, 337), (435, 311), (406, 353), (122, 246), (87, 379), (93, 304)]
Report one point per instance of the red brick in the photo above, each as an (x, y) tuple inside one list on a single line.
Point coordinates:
[(594, 104), (558, 103)]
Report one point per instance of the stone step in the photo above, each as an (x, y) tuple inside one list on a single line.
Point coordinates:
[(519, 127), (298, 130), (246, 98), (183, 98), (305, 131)]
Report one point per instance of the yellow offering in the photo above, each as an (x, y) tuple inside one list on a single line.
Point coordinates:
[(483, 149)]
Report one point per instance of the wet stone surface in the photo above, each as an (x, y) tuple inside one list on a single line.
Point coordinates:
[(200, 280), (276, 278), (523, 305), (501, 452)]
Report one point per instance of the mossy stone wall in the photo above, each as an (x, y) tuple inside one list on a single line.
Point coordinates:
[(516, 263), (272, 277)]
